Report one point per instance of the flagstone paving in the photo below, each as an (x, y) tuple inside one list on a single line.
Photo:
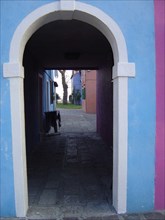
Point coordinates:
[(70, 175)]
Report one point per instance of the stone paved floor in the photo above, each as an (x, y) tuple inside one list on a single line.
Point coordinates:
[(69, 175)]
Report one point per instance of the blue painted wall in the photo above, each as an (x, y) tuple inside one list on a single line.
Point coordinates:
[(135, 19), (6, 162), (11, 16), (77, 88)]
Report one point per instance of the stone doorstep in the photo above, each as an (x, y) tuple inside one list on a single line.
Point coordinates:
[(157, 215)]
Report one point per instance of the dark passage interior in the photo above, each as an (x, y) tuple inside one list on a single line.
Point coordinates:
[(69, 174)]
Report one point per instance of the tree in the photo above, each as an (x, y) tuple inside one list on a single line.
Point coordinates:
[(65, 86)]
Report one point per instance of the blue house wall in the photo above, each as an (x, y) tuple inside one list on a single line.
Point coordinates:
[(77, 87), (48, 78), (11, 16), (136, 20)]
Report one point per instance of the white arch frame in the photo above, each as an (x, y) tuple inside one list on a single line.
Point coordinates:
[(67, 10)]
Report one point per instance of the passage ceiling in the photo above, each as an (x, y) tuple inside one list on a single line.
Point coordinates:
[(68, 44)]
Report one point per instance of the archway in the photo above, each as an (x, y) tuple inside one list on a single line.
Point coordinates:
[(68, 10)]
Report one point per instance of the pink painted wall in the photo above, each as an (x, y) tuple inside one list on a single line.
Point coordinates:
[(160, 104), (89, 104)]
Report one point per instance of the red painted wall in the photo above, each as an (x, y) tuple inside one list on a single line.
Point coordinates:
[(160, 104), (89, 103)]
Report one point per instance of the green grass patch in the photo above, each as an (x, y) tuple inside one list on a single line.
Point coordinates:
[(68, 106)]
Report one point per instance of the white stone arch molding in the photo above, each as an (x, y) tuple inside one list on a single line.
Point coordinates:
[(13, 70)]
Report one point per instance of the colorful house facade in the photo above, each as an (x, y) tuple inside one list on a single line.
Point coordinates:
[(124, 41)]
